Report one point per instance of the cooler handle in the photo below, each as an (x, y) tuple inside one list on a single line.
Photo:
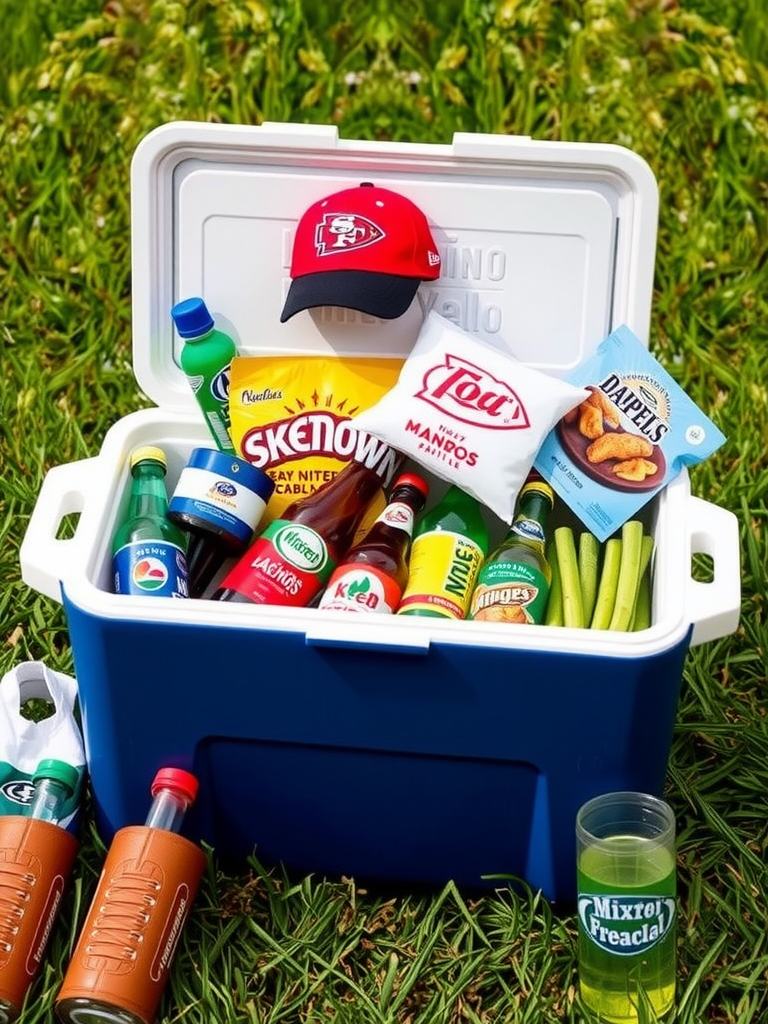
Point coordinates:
[(356, 633), (47, 559), (714, 607)]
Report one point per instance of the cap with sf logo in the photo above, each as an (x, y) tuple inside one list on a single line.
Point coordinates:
[(364, 248)]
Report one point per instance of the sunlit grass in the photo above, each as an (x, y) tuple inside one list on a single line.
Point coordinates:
[(685, 85)]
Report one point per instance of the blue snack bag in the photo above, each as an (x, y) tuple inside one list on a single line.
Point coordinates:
[(611, 454)]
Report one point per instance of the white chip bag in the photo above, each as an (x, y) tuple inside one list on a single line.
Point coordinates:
[(469, 413)]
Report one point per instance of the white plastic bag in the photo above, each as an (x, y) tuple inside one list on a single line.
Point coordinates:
[(24, 743)]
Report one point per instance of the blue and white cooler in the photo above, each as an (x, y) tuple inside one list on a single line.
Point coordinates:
[(406, 749)]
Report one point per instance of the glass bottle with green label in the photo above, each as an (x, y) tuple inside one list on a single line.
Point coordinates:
[(513, 583), (149, 552), (449, 546), (292, 560)]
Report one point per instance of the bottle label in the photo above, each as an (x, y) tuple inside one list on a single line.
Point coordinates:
[(509, 592), (443, 569), (219, 428), (212, 394), (528, 529), (157, 568), (355, 588), (399, 515), (286, 565), (219, 502)]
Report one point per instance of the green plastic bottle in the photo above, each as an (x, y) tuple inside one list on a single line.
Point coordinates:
[(513, 583), (55, 784), (449, 546), (206, 360), (149, 552)]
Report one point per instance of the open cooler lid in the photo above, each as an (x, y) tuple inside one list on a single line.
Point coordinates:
[(546, 247)]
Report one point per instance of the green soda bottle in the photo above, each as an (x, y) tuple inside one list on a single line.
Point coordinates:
[(149, 551), (513, 584), (206, 360), (449, 546)]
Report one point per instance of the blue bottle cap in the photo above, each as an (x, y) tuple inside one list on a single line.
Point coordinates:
[(192, 318)]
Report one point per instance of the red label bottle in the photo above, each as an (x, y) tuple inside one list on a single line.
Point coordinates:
[(292, 560), (372, 576)]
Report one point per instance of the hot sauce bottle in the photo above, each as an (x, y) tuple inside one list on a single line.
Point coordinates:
[(292, 560), (372, 575)]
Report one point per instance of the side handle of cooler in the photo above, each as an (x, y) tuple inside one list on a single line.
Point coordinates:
[(45, 557), (713, 608)]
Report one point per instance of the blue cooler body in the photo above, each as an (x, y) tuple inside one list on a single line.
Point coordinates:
[(459, 762), (408, 750)]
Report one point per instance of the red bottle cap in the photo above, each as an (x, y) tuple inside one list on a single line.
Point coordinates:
[(415, 481), (175, 778)]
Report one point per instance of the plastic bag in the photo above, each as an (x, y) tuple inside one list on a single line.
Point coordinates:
[(24, 743)]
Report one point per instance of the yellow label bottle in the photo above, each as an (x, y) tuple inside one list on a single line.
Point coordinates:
[(448, 549)]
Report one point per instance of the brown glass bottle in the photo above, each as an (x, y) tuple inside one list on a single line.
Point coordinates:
[(372, 575), (293, 558)]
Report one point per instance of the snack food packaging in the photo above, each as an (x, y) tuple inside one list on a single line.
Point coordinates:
[(634, 433), (292, 417), (470, 413)]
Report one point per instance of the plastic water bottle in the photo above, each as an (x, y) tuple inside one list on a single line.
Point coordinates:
[(37, 858), (173, 792), (206, 359), (55, 783), (149, 881)]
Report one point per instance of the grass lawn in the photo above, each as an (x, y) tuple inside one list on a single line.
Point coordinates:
[(685, 84)]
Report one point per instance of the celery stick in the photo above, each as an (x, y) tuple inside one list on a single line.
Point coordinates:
[(641, 618), (629, 575), (554, 612), (565, 545), (589, 554), (606, 591)]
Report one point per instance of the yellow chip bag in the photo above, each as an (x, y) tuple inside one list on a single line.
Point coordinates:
[(292, 417)]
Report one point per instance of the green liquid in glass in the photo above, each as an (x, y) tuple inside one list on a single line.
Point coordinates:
[(627, 927)]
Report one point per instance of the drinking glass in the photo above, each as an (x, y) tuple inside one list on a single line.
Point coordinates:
[(627, 907)]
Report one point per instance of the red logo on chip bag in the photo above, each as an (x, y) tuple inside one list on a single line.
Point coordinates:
[(468, 393), (340, 232)]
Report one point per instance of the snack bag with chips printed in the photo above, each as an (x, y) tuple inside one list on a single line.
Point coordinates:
[(634, 433)]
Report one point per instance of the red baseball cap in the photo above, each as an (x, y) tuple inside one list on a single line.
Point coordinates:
[(364, 248)]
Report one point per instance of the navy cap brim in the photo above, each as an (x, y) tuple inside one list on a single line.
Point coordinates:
[(383, 295)]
